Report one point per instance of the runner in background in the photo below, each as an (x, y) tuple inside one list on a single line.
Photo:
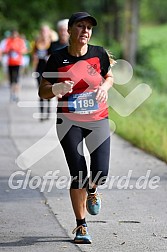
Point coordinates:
[(54, 35), (63, 36), (15, 48), (39, 58)]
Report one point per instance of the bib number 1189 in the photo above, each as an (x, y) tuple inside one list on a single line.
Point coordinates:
[(83, 103)]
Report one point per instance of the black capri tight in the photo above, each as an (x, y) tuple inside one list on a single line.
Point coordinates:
[(13, 74), (97, 138)]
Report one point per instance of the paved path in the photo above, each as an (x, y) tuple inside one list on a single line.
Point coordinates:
[(131, 219)]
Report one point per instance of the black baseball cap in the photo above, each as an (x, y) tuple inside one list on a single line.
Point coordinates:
[(79, 16)]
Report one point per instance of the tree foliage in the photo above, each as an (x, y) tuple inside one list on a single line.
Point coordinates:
[(153, 11), (28, 15)]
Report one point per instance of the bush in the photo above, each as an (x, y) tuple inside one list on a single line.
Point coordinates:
[(145, 69)]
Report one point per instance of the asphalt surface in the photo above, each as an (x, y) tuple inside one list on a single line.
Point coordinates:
[(37, 216)]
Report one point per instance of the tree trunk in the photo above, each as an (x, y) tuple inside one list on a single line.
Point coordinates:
[(131, 31), (116, 21), (107, 9)]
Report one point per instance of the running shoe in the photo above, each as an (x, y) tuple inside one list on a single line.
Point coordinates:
[(82, 236), (93, 203)]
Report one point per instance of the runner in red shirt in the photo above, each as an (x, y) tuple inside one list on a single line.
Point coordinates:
[(15, 48), (80, 76)]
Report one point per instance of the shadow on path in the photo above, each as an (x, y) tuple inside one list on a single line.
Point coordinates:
[(32, 240)]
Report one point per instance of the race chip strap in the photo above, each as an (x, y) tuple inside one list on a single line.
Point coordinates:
[(84, 103)]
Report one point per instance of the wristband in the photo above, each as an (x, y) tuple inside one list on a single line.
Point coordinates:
[(54, 89)]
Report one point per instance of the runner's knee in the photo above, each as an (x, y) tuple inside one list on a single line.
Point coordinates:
[(78, 183), (99, 178)]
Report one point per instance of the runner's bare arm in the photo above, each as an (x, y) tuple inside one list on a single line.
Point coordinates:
[(48, 91), (45, 89), (102, 92), (107, 84)]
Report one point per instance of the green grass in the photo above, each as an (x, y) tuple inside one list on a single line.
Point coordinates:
[(1, 76), (155, 37), (146, 127)]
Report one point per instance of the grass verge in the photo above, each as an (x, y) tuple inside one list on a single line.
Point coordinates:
[(146, 127)]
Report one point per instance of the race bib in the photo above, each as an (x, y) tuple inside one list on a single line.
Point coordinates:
[(84, 103), (13, 55)]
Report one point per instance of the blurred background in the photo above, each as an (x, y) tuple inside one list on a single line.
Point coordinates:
[(133, 30)]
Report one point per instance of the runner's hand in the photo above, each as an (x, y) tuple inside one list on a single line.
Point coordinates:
[(62, 88), (102, 95)]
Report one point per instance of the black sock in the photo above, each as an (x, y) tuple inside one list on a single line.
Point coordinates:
[(92, 190), (80, 222)]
